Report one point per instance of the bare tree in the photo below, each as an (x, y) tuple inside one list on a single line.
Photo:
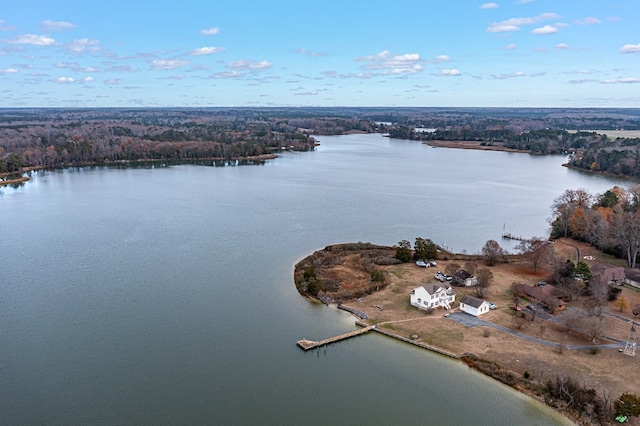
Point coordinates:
[(470, 267), (594, 326), (452, 268), (573, 319), (536, 250), (485, 279), (492, 253)]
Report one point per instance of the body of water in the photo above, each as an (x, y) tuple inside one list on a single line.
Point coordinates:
[(155, 296)]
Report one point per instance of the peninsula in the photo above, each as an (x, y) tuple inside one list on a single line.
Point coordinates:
[(531, 351)]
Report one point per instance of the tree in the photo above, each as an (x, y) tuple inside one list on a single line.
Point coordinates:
[(424, 249), (516, 291), (403, 251), (573, 318), (485, 278), (536, 250), (583, 271), (595, 326), (564, 207), (627, 405), (452, 268), (621, 303), (470, 267), (492, 253)]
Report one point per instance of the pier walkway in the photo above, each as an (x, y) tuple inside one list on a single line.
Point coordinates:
[(311, 344)]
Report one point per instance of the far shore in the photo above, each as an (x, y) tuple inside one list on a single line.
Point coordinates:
[(472, 145), (262, 157)]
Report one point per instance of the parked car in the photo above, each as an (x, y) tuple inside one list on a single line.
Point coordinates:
[(432, 263), (422, 264), (531, 307), (492, 306), (442, 277)]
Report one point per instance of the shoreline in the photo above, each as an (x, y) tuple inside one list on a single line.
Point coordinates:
[(472, 145), (487, 348)]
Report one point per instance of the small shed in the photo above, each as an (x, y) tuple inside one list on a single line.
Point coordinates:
[(474, 306), (464, 278)]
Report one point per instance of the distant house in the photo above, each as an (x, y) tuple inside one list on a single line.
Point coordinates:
[(609, 274), (632, 277), (433, 295), (464, 278), (546, 296), (474, 306)]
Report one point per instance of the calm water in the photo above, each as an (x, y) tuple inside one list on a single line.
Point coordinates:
[(166, 296)]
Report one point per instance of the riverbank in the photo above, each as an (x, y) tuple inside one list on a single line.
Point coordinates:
[(472, 145), (524, 355)]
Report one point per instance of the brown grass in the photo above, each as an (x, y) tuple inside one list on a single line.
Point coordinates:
[(607, 370)]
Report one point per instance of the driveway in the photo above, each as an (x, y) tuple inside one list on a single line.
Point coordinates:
[(471, 321)]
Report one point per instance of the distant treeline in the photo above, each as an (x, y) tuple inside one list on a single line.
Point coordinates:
[(67, 137), (589, 150)]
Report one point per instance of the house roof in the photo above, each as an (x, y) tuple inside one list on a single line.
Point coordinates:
[(462, 275), (546, 293), (431, 288), (472, 301), (608, 272)]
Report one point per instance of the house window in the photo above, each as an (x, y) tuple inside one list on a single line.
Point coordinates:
[(419, 300)]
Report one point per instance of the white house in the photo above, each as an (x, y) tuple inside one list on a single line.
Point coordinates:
[(474, 306), (433, 295)]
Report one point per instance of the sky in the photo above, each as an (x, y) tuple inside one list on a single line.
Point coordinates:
[(454, 53)]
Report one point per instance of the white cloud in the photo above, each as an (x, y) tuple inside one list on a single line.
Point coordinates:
[(227, 74), (306, 52), (49, 25), (113, 81), (489, 6), (511, 46), (209, 50), (562, 46), (249, 65), (8, 71), (210, 31), (64, 80), (167, 64), (587, 21), (546, 30), (630, 48), (88, 79), (510, 75), (440, 59), (82, 44), (408, 63), (626, 80), (451, 73), (515, 24), (36, 40)]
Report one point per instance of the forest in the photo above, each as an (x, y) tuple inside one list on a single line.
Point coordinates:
[(56, 138), (608, 221)]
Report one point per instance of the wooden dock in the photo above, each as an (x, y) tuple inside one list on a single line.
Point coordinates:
[(312, 344)]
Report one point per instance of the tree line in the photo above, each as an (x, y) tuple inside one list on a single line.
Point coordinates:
[(608, 221)]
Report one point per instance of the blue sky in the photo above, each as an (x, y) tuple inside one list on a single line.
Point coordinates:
[(515, 53)]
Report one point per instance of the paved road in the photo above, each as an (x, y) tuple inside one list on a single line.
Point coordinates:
[(471, 321)]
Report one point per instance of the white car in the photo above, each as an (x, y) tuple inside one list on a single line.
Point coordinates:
[(422, 264)]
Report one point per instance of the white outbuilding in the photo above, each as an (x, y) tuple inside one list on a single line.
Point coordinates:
[(474, 306)]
